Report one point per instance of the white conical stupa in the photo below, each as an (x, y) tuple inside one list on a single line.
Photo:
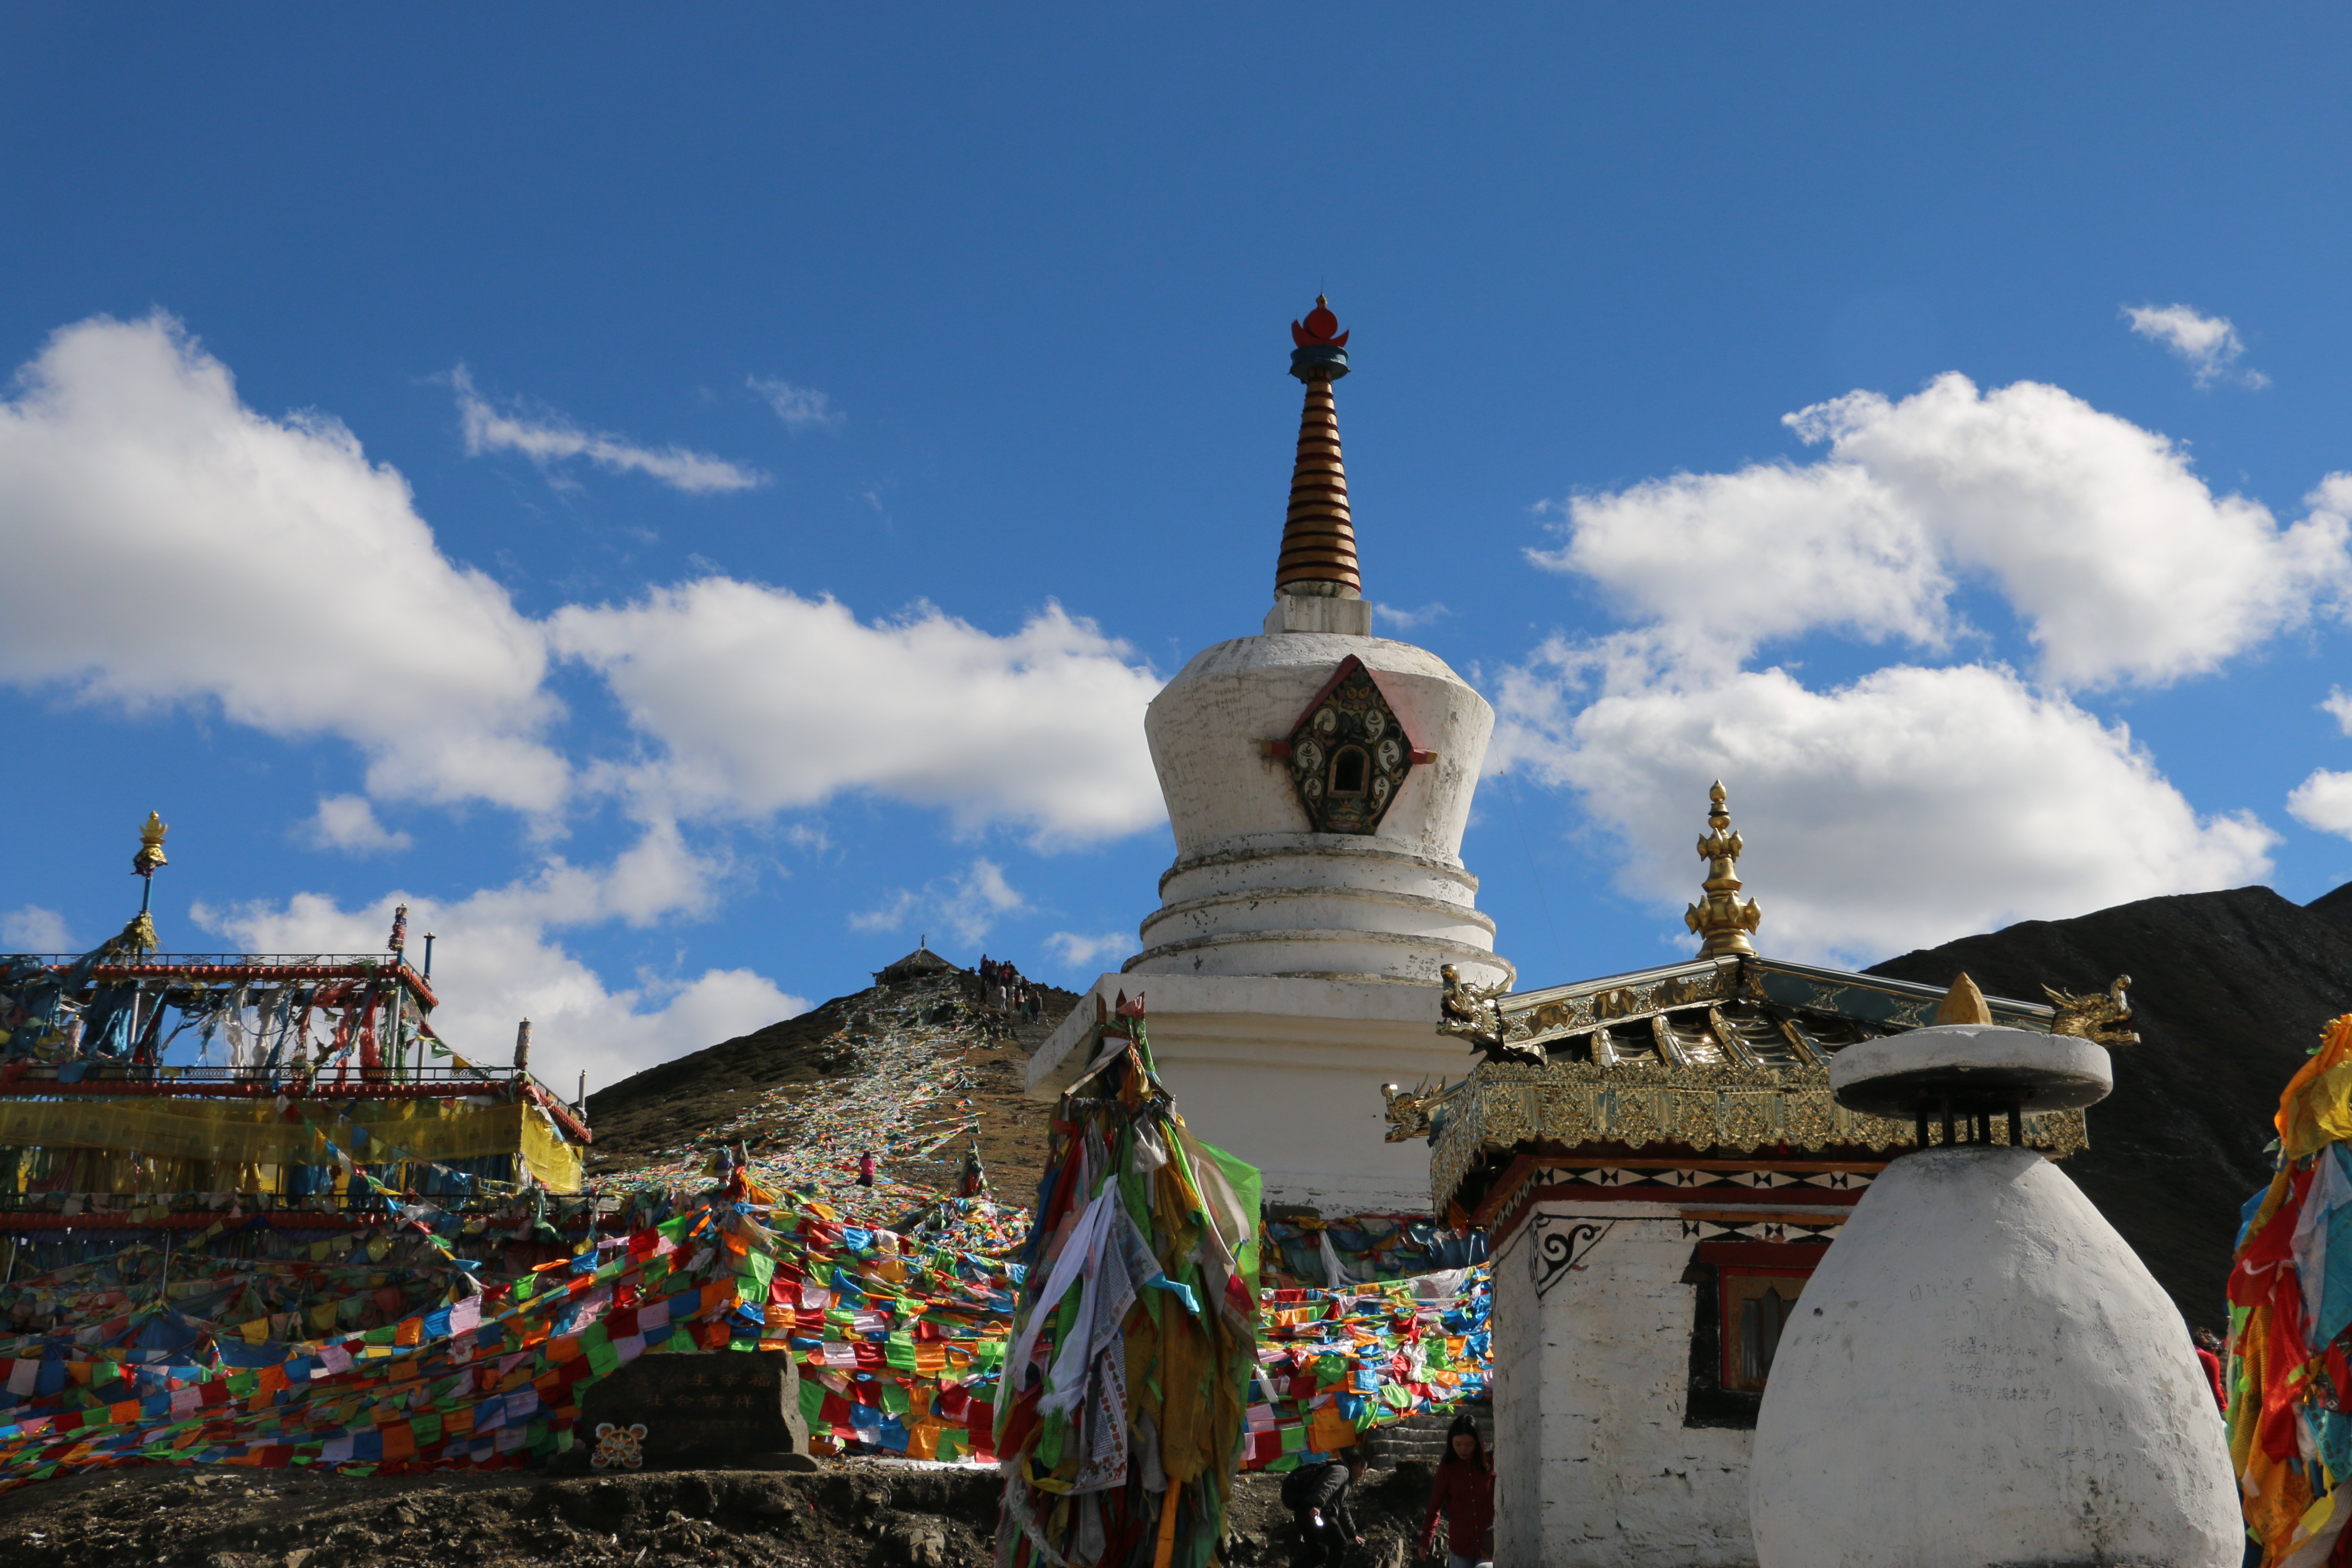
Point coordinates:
[(1981, 1372)]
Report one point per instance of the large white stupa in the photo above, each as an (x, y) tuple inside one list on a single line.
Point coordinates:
[(1319, 779)]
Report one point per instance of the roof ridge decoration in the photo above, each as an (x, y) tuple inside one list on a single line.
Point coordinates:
[(1720, 922), (1318, 533)]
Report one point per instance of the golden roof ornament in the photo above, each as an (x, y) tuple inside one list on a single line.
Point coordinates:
[(1963, 1003), (151, 846), (1719, 920)]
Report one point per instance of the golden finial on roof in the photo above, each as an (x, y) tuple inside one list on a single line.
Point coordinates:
[(1719, 920), (150, 846)]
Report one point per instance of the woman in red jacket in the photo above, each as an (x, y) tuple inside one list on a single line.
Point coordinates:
[(1464, 1493)]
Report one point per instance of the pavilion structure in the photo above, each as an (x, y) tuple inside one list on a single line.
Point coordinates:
[(146, 1093)]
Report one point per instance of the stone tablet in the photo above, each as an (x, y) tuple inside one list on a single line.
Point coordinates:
[(729, 1407)]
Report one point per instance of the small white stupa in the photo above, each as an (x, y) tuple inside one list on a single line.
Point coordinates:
[(1319, 780), (1981, 1371)]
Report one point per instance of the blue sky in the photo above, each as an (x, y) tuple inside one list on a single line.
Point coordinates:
[(693, 504)]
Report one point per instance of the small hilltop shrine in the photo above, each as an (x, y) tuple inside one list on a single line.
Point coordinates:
[(1660, 1164), (1319, 779), (244, 1100)]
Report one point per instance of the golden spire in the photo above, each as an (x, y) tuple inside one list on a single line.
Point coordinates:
[(1719, 920), (1319, 536), (150, 846)]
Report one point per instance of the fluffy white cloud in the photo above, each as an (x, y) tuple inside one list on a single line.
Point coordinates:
[(2209, 343), (1074, 951), (348, 822), (765, 702), (967, 905), (1912, 806), (168, 544), (2324, 801), (549, 438), (2120, 562), (2338, 706), (495, 963), (32, 928), (1818, 547), (800, 407)]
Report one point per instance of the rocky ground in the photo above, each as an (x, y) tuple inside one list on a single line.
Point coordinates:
[(849, 1515), (640, 1118)]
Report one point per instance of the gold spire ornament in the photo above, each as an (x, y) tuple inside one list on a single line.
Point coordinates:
[(1720, 922), (1319, 534), (151, 846)]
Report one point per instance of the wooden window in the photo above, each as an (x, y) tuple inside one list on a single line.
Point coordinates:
[(1757, 1304)]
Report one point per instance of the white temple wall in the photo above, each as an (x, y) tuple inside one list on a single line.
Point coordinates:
[(1591, 1379), (1284, 1073)]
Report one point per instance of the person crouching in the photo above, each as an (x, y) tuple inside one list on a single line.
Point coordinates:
[(1318, 1496)]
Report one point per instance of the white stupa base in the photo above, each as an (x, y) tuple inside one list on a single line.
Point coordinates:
[(1286, 1074), (1981, 1372)]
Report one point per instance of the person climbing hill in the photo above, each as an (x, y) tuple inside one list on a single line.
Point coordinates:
[(1464, 1493)]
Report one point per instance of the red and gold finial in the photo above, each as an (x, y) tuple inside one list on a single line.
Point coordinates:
[(1319, 328), (1319, 536)]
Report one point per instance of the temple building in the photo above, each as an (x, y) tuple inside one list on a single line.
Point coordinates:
[(1655, 1159), (1319, 779), (1659, 1166), (245, 1100)]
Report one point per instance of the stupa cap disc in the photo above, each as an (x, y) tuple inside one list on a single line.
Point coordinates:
[(1980, 1066)]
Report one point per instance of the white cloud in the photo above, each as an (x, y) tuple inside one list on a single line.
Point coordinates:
[(967, 905), (551, 438), (1407, 620), (2209, 343), (33, 929), (1908, 807), (800, 407), (167, 545), (765, 702), (2119, 561), (495, 963), (347, 822), (2338, 705), (2324, 801), (1084, 952)]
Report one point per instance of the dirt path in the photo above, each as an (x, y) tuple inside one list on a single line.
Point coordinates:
[(850, 1515)]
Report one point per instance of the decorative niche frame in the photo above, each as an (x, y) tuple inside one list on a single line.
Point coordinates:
[(1349, 752)]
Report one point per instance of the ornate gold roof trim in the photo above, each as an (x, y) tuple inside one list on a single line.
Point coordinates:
[(1729, 1054), (1505, 1108)]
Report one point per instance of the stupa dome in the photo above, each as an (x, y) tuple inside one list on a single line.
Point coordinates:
[(1319, 778)]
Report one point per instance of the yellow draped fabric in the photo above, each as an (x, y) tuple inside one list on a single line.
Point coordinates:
[(244, 1132), (2316, 1108)]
